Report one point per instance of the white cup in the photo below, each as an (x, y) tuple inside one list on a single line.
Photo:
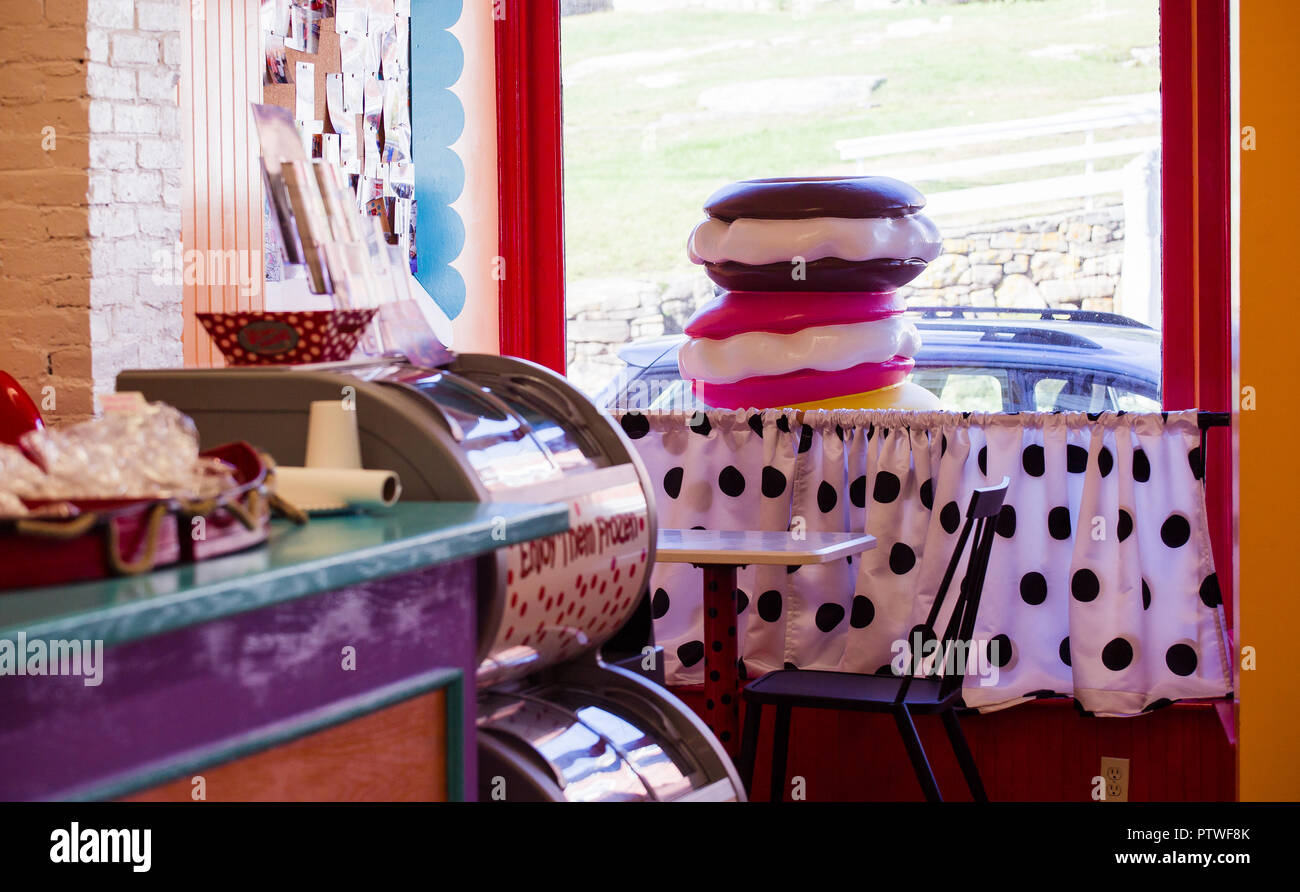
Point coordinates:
[(332, 439)]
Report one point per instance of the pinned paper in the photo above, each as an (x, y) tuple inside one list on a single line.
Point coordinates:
[(348, 153), (304, 76), (340, 120), (350, 17), (296, 38), (330, 149)]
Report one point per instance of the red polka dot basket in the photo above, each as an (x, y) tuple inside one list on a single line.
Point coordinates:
[(287, 338)]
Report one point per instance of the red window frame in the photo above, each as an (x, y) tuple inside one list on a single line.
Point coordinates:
[(1194, 61)]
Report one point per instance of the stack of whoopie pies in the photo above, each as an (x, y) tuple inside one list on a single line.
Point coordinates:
[(810, 317)]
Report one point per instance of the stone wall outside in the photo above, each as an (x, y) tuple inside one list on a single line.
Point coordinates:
[(1070, 260)]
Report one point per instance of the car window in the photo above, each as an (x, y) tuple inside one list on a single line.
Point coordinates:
[(656, 388), (1067, 392), (965, 389), (1128, 401)]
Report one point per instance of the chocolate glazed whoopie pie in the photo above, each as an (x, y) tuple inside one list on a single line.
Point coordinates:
[(815, 234)]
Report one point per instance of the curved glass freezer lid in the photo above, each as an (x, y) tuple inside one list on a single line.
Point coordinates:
[(508, 444), (592, 751)]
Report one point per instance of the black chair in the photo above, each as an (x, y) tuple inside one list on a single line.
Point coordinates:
[(932, 686)]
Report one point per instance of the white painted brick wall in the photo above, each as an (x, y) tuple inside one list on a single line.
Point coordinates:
[(135, 180)]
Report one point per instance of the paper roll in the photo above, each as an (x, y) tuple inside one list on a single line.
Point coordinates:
[(332, 439), (334, 489)]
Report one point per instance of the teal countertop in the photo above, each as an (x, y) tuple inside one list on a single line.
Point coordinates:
[(327, 554)]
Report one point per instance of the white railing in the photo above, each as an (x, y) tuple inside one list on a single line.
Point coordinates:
[(1127, 111)]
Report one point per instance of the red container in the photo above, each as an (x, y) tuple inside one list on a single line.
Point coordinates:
[(106, 537), (287, 338)]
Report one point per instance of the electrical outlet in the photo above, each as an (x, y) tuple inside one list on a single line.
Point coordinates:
[(1115, 774)]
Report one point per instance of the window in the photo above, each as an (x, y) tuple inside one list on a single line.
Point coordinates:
[(1033, 129)]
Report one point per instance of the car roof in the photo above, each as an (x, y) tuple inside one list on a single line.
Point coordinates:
[(1122, 348)]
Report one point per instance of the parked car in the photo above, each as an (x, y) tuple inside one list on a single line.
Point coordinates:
[(985, 359)]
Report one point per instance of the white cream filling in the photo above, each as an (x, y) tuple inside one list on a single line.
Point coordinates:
[(757, 242), (827, 348)]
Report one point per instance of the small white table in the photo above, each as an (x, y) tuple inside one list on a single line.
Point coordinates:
[(720, 553)]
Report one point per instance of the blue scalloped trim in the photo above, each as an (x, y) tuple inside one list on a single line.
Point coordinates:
[(437, 119)]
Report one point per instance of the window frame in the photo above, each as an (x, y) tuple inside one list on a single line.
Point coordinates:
[(1195, 207)]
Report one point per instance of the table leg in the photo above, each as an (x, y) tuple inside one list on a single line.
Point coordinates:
[(721, 676)]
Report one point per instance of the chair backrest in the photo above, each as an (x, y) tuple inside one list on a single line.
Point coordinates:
[(946, 655)]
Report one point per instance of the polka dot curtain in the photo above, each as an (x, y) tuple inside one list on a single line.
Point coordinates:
[(1101, 586)]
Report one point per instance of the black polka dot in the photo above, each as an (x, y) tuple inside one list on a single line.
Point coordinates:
[(756, 424), (1064, 650), (1058, 523), (983, 460), (1197, 463), (731, 481), (1033, 588), (1175, 531), (901, 558), (742, 601), (790, 667), (1117, 654), (673, 482), (708, 704), (943, 444), (773, 482), (699, 527), (827, 498), (1105, 461), (887, 487), (1146, 595), (791, 568), (769, 606), (741, 669), (858, 491), (1007, 522), (724, 736), (839, 433), (999, 651), (783, 424), (659, 604), (950, 517), (1141, 466), (805, 438), (863, 612), (715, 675), (1181, 659), (635, 425), (1124, 528), (717, 647), (1211, 594), (1076, 459), (829, 616), (927, 495), (1157, 704), (1085, 586), (1032, 460), (700, 424), (691, 652)]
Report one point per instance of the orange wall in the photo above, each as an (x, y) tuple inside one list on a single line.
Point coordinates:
[(1269, 596)]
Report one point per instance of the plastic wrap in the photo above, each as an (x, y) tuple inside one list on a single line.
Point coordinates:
[(152, 453)]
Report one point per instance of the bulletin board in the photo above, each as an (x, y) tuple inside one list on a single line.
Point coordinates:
[(341, 68)]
